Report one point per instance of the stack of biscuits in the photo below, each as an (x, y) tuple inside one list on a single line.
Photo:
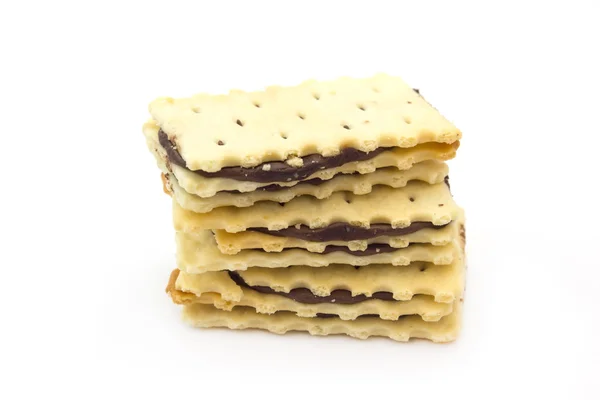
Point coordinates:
[(323, 207)]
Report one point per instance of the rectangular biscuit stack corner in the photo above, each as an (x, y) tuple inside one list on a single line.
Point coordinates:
[(323, 207)]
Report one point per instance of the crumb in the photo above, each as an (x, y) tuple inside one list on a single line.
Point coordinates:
[(295, 162)]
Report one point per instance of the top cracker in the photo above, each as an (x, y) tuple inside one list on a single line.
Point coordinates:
[(281, 123)]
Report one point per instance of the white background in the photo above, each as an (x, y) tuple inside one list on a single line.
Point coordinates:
[(87, 242)]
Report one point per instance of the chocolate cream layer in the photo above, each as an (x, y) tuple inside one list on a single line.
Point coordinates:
[(343, 231), (304, 295), (278, 171), (321, 315)]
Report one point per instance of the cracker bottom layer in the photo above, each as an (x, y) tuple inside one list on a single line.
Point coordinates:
[(207, 316)]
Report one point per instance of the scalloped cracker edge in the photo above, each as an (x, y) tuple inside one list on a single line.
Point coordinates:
[(195, 184), (413, 326), (198, 253), (445, 283), (429, 171), (417, 201)]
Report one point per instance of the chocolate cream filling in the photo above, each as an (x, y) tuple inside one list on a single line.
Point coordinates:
[(279, 171), (321, 315), (304, 295), (343, 231)]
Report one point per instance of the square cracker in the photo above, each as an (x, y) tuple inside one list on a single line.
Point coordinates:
[(397, 158), (233, 243), (413, 326), (429, 171), (198, 253), (417, 201), (445, 284), (190, 289), (247, 129)]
